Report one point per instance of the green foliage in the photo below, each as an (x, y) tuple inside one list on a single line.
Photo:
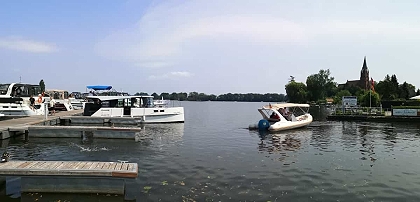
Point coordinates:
[(320, 85), (369, 98), (141, 93), (339, 96), (296, 92), (42, 85)]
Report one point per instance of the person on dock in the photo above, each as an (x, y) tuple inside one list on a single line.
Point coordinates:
[(51, 108), (32, 101)]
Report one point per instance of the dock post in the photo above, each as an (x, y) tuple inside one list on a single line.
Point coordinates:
[(45, 111)]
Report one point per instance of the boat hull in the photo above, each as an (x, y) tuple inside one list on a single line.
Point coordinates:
[(147, 115), (287, 125)]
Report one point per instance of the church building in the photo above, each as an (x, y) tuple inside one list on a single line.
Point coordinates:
[(363, 82)]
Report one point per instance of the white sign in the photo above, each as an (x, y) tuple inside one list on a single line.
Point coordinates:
[(349, 101), (404, 112)]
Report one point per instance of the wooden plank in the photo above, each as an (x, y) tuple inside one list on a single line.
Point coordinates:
[(23, 165), (88, 164), (80, 165), (71, 168), (92, 167), (125, 166), (107, 166), (56, 164), (61, 165)]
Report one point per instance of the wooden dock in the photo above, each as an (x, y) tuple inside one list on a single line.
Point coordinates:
[(69, 168), (71, 176), (38, 126), (14, 126)]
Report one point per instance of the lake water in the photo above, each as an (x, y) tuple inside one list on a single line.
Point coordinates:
[(214, 157)]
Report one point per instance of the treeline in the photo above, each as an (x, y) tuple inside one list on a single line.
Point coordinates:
[(195, 96), (320, 86)]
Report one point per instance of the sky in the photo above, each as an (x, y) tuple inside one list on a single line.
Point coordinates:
[(214, 47)]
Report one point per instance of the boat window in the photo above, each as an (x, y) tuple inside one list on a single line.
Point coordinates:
[(3, 88), (127, 102), (105, 104), (155, 110), (21, 90), (34, 90), (120, 103), (162, 110)]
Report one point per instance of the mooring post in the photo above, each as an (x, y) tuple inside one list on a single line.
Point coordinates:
[(45, 111)]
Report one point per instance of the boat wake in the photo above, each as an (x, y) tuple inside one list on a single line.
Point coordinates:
[(90, 149)]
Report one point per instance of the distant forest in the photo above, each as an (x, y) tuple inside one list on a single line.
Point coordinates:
[(195, 96)]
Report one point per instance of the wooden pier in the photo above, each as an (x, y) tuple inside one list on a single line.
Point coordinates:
[(71, 176)]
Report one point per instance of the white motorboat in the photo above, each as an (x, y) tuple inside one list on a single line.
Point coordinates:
[(62, 101), (141, 107), (77, 100), (161, 103), (283, 116), (14, 100)]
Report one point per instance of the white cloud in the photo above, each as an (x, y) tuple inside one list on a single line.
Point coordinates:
[(171, 75), (167, 30), (20, 44)]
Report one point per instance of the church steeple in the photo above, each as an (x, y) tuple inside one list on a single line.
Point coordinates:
[(364, 64), (364, 76)]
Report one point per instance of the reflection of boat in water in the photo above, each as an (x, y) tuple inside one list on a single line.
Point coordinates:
[(285, 116), (278, 142), (162, 133)]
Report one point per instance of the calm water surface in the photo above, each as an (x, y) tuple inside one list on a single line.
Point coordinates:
[(214, 157)]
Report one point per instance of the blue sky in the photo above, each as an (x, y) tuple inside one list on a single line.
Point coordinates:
[(206, 46)]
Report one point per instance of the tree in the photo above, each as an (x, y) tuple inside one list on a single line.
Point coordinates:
[(320, 85), (42, 85), (386, 88), (418, 92), (369, 98), (155, 96), (339, 96), (141, 93), (406, 91), (296, 92)]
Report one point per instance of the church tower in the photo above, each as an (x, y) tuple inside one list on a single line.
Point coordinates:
[(364, 76)]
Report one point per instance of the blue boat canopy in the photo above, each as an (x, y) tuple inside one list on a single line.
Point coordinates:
[(99, 87)]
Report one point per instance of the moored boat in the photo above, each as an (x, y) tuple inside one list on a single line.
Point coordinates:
[(62, 101), (15, 100), (283, 116), (140, 107)]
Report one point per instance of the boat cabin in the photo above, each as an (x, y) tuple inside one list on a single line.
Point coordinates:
[(94, 103), (283, 111), (19, 90)]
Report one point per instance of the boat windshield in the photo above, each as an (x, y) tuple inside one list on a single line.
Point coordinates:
[(25, 90), (3, 88)]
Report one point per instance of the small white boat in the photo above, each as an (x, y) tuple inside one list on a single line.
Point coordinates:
[(283, 116)]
